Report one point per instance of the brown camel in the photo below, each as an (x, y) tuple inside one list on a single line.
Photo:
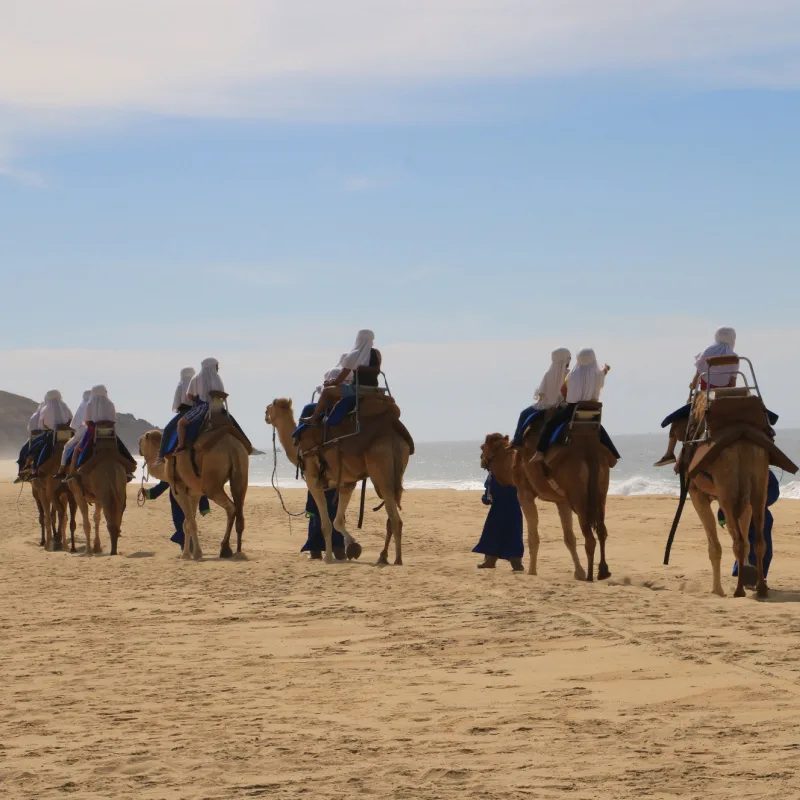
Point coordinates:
[(383, 461), (729, 449), (576, 481), (219, 460), (102, 481), (738, 480), (53, 498)]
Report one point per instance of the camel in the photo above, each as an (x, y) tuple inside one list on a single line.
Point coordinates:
[(104, 487), (64, 508), (728, 449), (383, 461), (581, 476), (53, 499), (738, 480), (224, 459)]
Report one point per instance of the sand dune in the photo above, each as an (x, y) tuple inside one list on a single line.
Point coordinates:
[(146, 677)]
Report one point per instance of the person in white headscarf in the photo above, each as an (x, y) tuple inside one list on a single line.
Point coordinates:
[(181, 401), (716, 377), (55, 411), (79, 426), (363, 361), (206, 381), (100, 409), (34, 430), (199, 391), (550, 393), (584, 384)]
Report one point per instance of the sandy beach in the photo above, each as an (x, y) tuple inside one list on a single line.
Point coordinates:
[(143, 676)]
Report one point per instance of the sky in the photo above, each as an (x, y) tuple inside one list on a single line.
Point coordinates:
[(478, 181)]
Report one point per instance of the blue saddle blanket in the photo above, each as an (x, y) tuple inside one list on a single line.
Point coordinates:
[(335, 416), (193, 430), (561, 431)]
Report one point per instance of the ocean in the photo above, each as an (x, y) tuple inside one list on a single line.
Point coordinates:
[(456, 465)]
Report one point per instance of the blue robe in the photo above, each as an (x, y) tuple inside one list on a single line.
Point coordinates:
[(773, 493), (177, 512), (502, 531), (316, 541)]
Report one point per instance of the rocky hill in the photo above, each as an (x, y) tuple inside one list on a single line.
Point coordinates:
[(15, 411)]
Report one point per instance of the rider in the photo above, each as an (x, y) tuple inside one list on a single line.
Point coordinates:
[(363, 359), (101, 409), (34, 426), (54, 413), (198, 392), (718, 377), (551, 391), (79, 426), (584, 384), (181, 404)]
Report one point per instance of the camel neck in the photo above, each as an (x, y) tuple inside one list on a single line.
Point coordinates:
[(285, 429)]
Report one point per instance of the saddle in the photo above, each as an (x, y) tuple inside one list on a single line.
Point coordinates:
[(729, 415), (583, 431), (218, 423), (353, 432), (100, 446)]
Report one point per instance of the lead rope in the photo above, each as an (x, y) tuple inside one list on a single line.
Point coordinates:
[(141, 496), (275, 482)]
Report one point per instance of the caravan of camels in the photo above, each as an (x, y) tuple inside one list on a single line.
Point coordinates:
[(560, 453)]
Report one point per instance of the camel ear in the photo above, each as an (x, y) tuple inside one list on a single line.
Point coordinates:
[(505, 439)]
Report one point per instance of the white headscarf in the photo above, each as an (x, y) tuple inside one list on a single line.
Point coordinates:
[(100, 408), (181, 398), (34, 423), (332, 374), (548, 395), (724, 342), (586, 379), (359, 355), (206, 381), (79, 417), (55, 411)]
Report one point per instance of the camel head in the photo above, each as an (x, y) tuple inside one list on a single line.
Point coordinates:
[(494, 444), (277, 410), (149, 444)]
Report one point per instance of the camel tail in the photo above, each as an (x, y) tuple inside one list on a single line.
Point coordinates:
[(238, 482), (397, 459), (593, 465)]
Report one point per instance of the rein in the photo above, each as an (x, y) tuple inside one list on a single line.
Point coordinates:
[(141, 497), (275, 480)]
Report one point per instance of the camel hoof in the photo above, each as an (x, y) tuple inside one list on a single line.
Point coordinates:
[(41, 544), (718, 592), (589, 578), (225, 551), (329, 559), (762, 591), (749, 577), (398, 562), (740, 592), (97, 549), (315, 555), (580, 574), (73, 549), (57, 545), (353, 551), (340, 554), (383, 560), (186, 556), (48, 546), (603, 572)]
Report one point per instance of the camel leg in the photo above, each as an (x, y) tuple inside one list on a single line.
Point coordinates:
[(589, 543), (702, 505), (191, 540), (98, 516), (40, 508), (383, 558), (83, 507), (238, 491), (113, 520), (759, 511), (220, 497), (528, 504), (396, 522), (72, 508), (741, 546), (565, 515), (603, 571), (339, 523)]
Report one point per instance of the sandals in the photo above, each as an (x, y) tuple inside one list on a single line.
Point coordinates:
[(664, 461)]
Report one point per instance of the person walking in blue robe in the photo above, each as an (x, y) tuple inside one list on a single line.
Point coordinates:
[(502, 531)]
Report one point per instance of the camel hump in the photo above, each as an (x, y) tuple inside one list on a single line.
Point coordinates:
[(735, 406)]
